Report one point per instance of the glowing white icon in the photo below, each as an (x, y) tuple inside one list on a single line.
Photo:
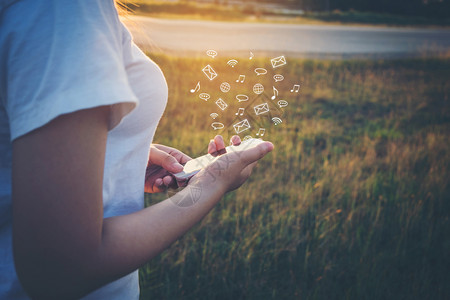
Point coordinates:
[(242, 98), (221, 104), (197, 88), (240, 111), (282, 103), (209, 72), (251, 55), (278, 77), (278, 61), (217, 125), (261, 109), (241, 78), (211, 53), (204, 96), (295, 88), (232, 63), (260, 71), (261, 132), (225, 87), (241, 126), (214, 115), (275, 93), (277, 121), (258, 88)]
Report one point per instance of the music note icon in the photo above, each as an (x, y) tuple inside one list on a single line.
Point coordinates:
[(251, 55), (275, 93), (241, 78), (295, 88), (261, 132), (197, 88), (240, 111)]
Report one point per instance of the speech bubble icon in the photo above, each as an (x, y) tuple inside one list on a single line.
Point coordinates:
[(260, 71), (282, 103), (204, 96), (211, 53), (217, 125), (242, 98), (278, 77)]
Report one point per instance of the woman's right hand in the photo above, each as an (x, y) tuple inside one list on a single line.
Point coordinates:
[(231, 170)]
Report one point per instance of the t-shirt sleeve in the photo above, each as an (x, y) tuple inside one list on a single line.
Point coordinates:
[(63, 56)]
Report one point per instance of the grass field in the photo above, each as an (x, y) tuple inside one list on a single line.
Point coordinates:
[(353, 203)]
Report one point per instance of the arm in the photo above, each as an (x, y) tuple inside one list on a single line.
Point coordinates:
[(63, 248)]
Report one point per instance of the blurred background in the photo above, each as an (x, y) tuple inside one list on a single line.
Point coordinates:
[(353, 203)]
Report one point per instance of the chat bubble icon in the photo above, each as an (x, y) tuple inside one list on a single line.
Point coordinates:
[(278, 77), (204, 96), (242, 98), (211, 53), (217, 125), (260, 71), (282, 103)]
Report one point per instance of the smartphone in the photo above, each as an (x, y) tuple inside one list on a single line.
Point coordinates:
[(194, 166)]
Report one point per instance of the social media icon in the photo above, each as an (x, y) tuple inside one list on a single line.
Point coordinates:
[(209, 72), (278, 61)]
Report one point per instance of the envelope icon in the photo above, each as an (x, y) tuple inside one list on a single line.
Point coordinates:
[(221, 104), (241, 126), (278, 61), (261, 109), (209, 72)]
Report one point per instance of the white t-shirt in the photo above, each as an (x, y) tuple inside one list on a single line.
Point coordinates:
[(60, 56)]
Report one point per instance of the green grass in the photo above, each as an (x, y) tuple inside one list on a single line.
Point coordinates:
[(353, 203), (254, 13)]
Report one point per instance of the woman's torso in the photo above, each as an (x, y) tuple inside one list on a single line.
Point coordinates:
[(127, 144)]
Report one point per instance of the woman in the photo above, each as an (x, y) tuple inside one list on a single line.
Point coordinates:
[(79, 107)]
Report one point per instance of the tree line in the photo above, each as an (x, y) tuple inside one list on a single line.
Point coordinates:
[(425, 8)]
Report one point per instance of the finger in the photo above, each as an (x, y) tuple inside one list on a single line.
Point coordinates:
[(220, 144), (212, 148), (235, 140), (180, 156), (159, 182), (165, 160), (158, 186), (167, 180), (254, 154)]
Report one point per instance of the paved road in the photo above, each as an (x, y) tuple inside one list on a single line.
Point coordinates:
[(187, 37)]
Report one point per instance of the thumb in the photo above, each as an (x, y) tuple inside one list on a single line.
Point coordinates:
[(165, 160), (254, 154)]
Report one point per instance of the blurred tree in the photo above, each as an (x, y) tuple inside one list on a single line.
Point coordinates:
[(428, 8)]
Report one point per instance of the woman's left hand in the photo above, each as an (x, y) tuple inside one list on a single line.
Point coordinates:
[(162, 162)]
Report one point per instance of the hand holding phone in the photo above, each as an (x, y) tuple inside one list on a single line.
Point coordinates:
[(193, 166)]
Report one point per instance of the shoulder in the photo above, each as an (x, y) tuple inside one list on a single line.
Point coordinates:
[(60, 56)]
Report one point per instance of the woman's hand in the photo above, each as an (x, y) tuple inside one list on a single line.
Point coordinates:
[(163, 160), (230, 170)]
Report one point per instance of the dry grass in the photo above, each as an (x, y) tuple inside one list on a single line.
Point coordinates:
[(353, 203)]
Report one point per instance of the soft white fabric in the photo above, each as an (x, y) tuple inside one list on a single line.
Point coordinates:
[(60, 56)]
